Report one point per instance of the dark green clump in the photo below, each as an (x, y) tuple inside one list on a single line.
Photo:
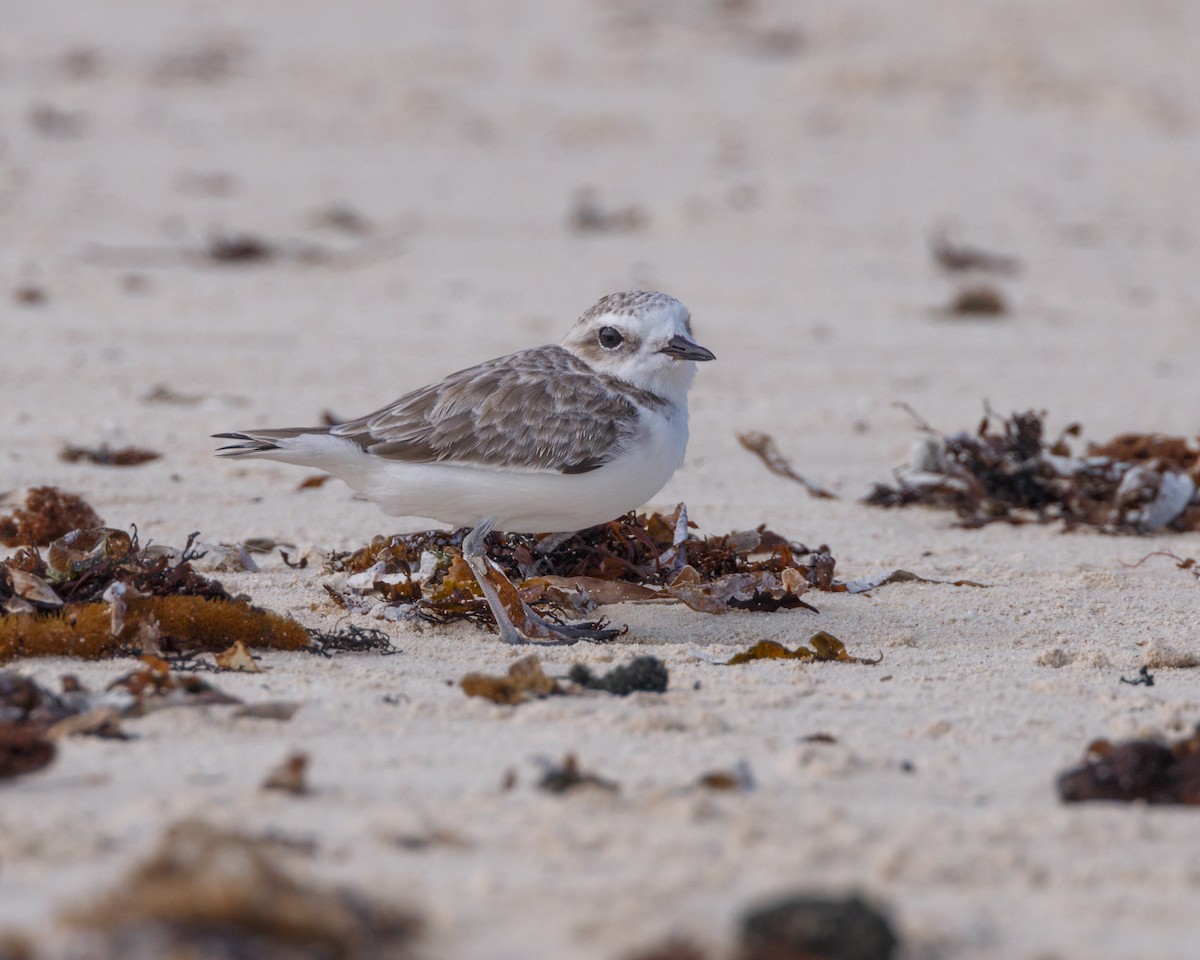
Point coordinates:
[(641, 673), (817, 927)]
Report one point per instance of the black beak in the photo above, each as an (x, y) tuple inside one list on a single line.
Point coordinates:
[(681, 348)]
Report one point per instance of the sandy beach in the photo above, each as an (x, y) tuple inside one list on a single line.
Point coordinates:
[(435, 186)]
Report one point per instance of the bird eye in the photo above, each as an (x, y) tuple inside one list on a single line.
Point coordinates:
[(610, 338)]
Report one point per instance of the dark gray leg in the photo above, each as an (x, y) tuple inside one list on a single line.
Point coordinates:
[(552, 634), (476, 557)]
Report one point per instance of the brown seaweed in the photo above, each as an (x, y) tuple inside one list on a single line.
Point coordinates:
[(525, 680), (215, 893), (763, 446), (24, 748), (47, 514), (106, 456), (823, 647), (637, 557), (291, 776), (117, 598), (1147, 770), (1008, 470), (174, 625)]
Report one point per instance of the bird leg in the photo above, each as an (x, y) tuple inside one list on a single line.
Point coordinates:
[(506, 604)]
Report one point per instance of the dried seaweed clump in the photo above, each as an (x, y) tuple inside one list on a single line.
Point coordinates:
[(1008, 471), (648, 674), (23, 749), (526, 680), (350, 638), (1144, 770), (800, 927), (210, 893), (638, 557), (823, 647), (28, 714), (33, 718), (817, 927), (106, 456), (48, 513), (98, 593)]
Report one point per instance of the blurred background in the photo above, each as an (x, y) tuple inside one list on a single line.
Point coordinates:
[(281, 208), (219, 215)]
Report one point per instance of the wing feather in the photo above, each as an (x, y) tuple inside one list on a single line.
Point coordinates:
[(541, 409)]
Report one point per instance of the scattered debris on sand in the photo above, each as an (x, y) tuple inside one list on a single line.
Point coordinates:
[(975, 296), (1007, 471), (1146, 770), (33, 719), (799, 927), (652, 557), (208, 892), (1181, 563), (237, 658), (978, 300), (763, 446), (641, 674), (817, 928), (526, 680), (30, 295), (737, 780), (291, 776), (106, 456), (98, 593), (1144, 678), (566, 776), (48, 513), (23, 749), (349, 638), (823, 647), (155, 686), (314, 482), (430, 839)]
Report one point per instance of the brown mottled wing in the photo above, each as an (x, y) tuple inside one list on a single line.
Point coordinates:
[(541, 409)]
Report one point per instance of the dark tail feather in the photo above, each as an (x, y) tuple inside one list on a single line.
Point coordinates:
[(261, 440), (250, 446)]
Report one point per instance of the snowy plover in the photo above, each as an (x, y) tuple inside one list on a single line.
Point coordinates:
[(552, 439)]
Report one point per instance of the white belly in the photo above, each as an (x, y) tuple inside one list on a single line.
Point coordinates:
[(521, 502)]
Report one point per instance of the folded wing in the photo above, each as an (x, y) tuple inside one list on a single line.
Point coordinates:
[(540, 409)]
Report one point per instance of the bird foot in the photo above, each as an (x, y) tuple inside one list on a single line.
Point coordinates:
[(515, 619), (518, 623)]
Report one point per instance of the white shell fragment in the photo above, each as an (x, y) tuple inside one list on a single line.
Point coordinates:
[(1174, 494), (34, 589)]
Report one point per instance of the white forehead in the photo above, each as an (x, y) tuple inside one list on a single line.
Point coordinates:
[(642, 311)]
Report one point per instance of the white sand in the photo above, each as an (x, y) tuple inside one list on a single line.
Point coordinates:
[(789, 198)]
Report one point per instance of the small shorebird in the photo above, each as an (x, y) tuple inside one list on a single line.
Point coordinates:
[(553, 439)]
